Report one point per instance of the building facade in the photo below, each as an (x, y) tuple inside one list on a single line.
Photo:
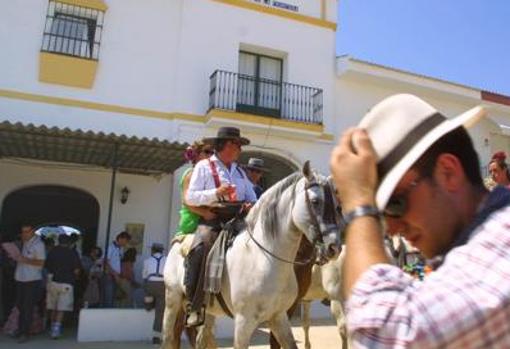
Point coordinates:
[(101, 95)]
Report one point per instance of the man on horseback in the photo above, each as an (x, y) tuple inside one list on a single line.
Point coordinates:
[(216, 179)]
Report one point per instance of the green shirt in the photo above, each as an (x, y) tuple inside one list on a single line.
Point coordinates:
[(188, 222)]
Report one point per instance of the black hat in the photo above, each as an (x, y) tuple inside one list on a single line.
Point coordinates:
[(256, 164), (157, 246), (228, 133)]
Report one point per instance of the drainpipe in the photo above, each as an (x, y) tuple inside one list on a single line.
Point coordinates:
[(110, 206)]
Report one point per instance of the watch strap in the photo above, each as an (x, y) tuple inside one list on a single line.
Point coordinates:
[(362, 211)]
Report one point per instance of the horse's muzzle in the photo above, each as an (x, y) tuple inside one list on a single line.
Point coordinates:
[(331, 248)]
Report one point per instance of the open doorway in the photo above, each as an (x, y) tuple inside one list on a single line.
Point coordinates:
[(51, 210), (51, 206)]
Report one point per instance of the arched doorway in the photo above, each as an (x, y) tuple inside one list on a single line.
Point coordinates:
[(278, 167), (50, 205)]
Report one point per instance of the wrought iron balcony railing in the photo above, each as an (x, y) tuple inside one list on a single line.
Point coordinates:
[(249, 94)]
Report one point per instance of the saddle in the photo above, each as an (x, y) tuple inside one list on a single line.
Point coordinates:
[(186, 241)]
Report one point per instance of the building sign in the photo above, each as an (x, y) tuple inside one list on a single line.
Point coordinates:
[(281, 5), (285, 6)]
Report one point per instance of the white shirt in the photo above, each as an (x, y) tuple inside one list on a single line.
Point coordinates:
[(114, 257), (202, 188), (150, 266), (33, 249)]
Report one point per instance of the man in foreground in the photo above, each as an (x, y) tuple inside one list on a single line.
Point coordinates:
[(411, 170)]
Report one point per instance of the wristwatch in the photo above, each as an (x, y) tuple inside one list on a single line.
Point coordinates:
[(361, 211)]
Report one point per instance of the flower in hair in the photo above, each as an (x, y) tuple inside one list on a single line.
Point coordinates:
[(499, 156)]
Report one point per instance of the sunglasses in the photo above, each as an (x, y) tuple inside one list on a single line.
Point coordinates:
[(398, 204), (208, 151), (236, 143)]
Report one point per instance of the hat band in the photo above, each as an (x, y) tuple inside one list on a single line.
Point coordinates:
[(408, 142)]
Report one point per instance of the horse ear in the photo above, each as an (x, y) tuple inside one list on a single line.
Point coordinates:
[(307, 171)]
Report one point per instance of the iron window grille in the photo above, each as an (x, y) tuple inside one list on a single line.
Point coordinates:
[(72, 30)]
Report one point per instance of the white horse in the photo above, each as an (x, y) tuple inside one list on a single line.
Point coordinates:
[(258, 281)]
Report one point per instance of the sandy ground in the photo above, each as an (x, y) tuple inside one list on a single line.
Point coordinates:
[(323, 336)]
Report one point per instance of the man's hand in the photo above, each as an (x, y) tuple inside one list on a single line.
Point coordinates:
[(246, 206), (223, 190), (353, 167)]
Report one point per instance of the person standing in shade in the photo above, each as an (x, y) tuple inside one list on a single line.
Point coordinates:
[(254, 170), (28, 276), (63, 266), (154, 287), (113, 268), (126, 284)]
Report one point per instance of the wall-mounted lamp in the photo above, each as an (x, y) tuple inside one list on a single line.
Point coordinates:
[(124, 194)]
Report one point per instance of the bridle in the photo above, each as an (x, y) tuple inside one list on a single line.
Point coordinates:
[(316, 227)]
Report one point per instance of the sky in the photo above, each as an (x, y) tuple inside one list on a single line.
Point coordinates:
[(462, 41)]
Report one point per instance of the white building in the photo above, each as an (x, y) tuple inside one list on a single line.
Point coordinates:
[(97, 96)]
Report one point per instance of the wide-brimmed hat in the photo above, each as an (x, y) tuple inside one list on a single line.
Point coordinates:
[(255, 164), (402, 127), (227, 133)]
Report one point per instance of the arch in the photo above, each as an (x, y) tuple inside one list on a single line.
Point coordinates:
[(48, 205)]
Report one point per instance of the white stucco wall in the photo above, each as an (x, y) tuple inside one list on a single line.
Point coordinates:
[(356, 94)]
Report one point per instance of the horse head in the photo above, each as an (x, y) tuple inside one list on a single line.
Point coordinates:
[(316, 214)]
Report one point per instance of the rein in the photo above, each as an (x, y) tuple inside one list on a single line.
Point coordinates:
[(307, 262), (316, 237)]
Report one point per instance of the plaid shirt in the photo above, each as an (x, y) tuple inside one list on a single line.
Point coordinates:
[(464, 304)]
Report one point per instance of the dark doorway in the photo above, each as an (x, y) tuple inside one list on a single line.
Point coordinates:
[(50, 205)]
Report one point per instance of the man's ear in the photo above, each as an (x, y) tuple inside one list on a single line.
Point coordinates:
[(449, 172)]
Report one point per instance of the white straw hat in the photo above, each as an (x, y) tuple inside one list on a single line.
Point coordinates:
[(402, 127)]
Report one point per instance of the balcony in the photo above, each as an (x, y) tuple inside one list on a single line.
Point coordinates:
[(265, 97)]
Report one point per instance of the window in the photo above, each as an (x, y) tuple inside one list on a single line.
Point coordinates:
[(72, 30), (260, 84)]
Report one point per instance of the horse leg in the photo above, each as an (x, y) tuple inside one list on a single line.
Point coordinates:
[(209, 328), (205, 336), (173, 305), (243, 331), (273, 343), (338, 313), (306, 323), (280, 325)]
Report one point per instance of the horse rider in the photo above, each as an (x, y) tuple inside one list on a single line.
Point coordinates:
[(255, 169), (218, 178)]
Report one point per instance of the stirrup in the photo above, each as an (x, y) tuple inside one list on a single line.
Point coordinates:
[(194, 317)]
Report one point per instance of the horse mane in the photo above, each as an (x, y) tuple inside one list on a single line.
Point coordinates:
[(266, 207)]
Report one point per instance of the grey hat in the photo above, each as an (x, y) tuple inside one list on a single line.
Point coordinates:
[(256, 164)]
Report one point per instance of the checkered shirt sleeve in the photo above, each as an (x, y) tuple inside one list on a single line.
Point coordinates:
[(464, 304)]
